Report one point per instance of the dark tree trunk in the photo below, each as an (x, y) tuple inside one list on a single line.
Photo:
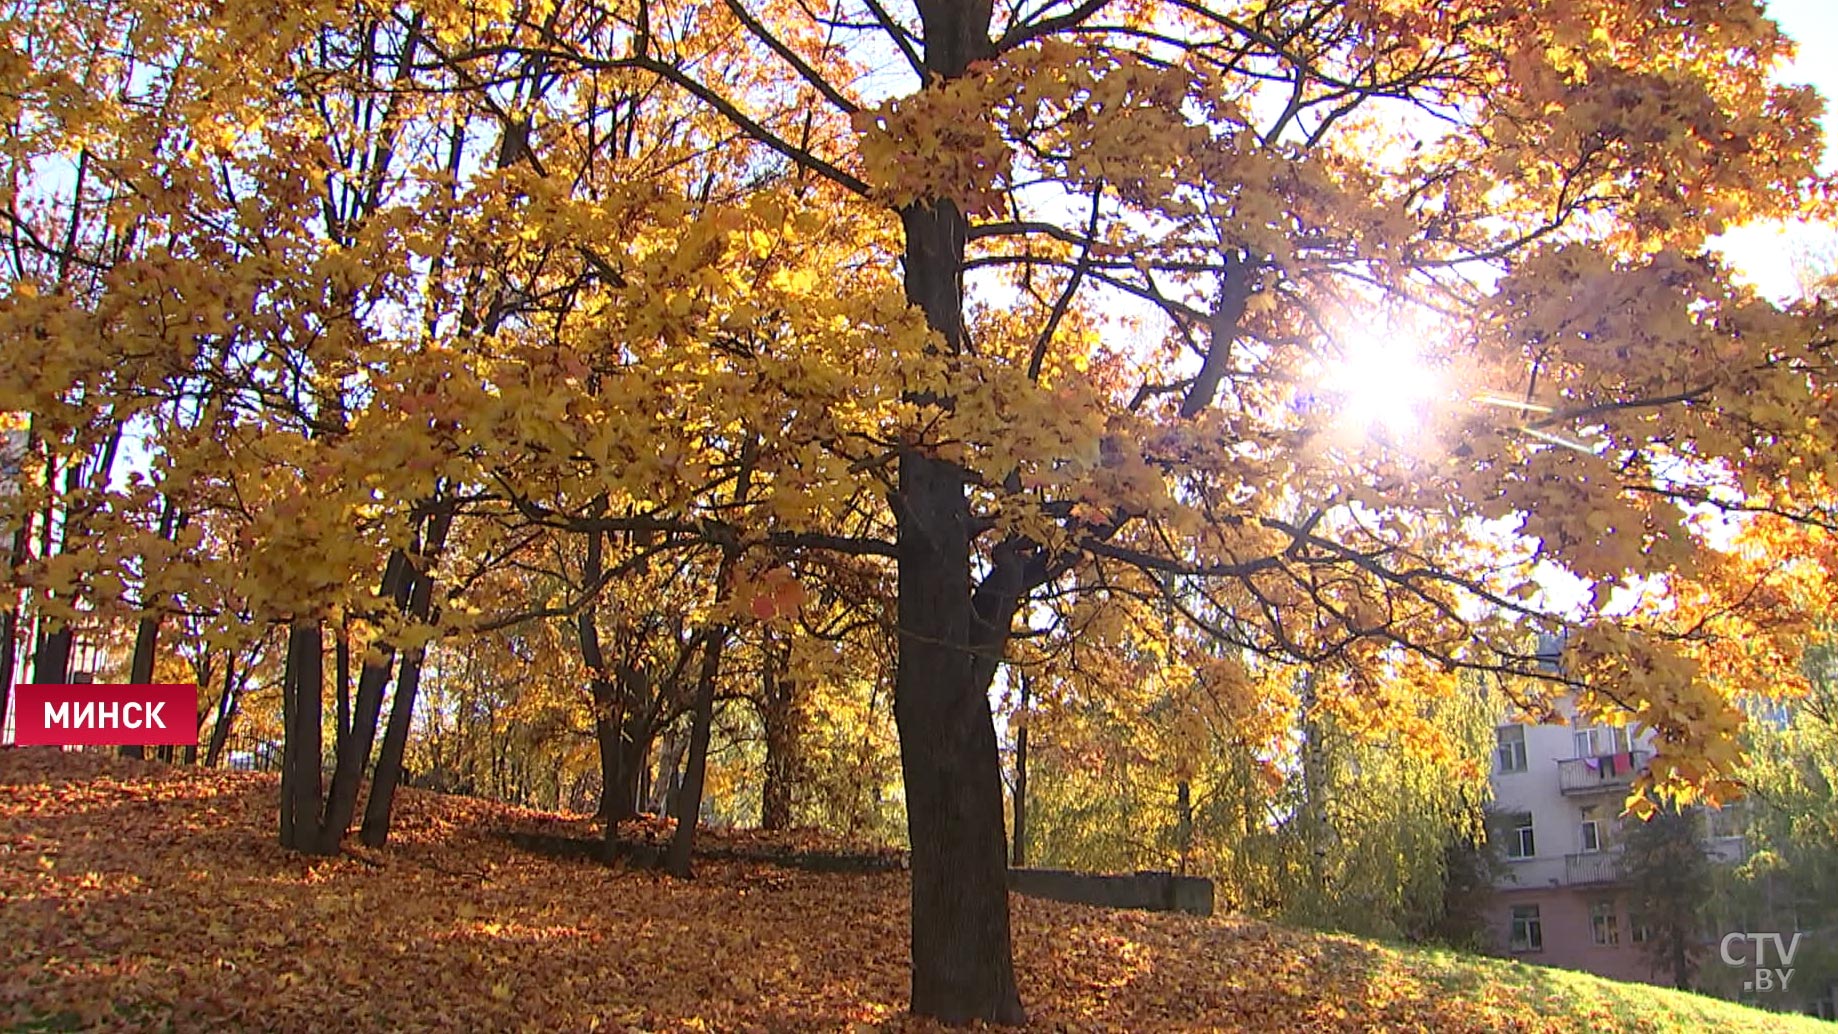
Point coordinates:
[(9, 623), (353, 754), (388, 773), (963, 968), (140, 668), (669, 779), (375, 832), (606, 735), (644, 780), (613, 705), (625, 751), (146, 641), (51, 658), (9, 631), (1021, 726), (1183, 823), (301, 714), (783, 723), (226, 713), (689, 799), (962, 961)]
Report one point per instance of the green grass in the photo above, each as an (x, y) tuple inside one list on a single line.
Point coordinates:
[(1591, 1001)]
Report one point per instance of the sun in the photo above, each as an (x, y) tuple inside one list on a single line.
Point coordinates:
[(1380, 383)]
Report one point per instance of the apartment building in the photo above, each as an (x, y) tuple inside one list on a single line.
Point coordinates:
[(1563, 901)]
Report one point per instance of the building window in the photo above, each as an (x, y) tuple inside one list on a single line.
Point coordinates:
[(1511, 749), (1600, 741), (1528, 931), (1591, 832), (1603, 923), (1638, 929), (1519, 843), (1731, 820)]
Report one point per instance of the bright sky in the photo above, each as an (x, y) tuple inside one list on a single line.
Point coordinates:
[(1767, 254)]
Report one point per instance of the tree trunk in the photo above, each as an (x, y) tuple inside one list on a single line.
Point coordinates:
[(783, 724), (226, 711), (612, 704), (606, 735), (962, 962), (354, 752), (9, 623), (51, 657), (963, 968), (140, 668), (146, 639), (625, 750), (301, 714), (669, 780), (1021, 726), (375, 832), (1183, 823), (689, 800), (9, 631), (388, 774)]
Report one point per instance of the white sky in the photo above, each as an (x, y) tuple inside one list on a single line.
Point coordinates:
[(1767, 254)]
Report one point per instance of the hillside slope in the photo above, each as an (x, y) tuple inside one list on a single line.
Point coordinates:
[(140, 897)]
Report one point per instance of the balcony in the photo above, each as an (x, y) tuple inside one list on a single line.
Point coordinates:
[(1609, 772), (1592, 867)]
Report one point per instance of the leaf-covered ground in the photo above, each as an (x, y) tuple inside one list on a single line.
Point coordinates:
[(134, 896)]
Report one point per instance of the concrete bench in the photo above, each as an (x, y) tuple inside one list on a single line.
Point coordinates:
[(1153, 891)]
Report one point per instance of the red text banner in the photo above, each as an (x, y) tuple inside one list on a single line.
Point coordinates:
[(97, 715)]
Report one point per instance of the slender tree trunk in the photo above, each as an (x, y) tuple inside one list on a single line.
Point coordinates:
[(689, 799), (375, 832), (634, 755), (226, 713), (611, 699), (1183, 823), (388, 773), (1021, 727), (9, 623), (9, 633), (51, 659), (146, 639), (140, 668), (301, 705), (354, 753), (669, 779)]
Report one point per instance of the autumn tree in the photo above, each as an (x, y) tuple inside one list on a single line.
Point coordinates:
[(1069, 299), (1545, 192)]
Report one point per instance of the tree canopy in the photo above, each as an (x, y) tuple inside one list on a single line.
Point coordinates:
[(956, 336)]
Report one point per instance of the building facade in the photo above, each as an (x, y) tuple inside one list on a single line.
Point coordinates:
[(1558, 793)]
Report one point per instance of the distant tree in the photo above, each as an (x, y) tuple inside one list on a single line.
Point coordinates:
[(1670, 872), (1472, 864), (1790, 880)]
